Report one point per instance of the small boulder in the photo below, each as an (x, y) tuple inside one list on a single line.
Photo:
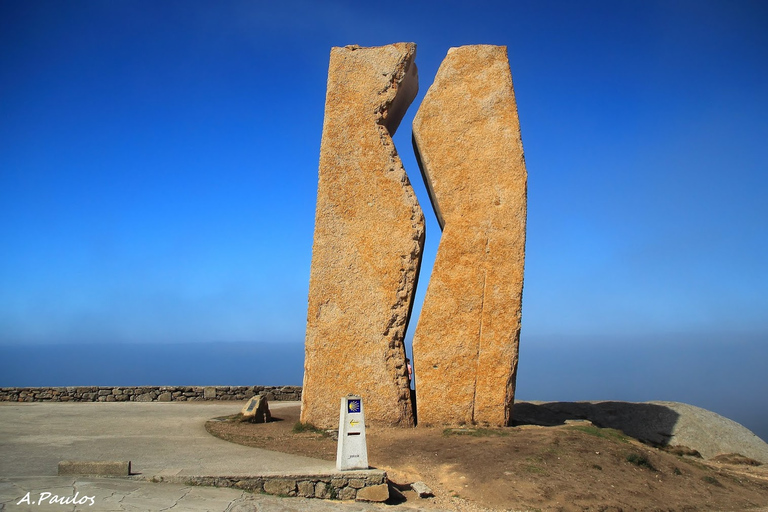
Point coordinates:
[(256, 410), (376, 493), (422, 490)]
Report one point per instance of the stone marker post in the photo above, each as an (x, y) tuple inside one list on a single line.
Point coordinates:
[(369, 234), (352, 450), (467, 139)]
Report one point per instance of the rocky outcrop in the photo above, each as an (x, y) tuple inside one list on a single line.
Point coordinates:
[(658, 423), (369, 234), (467, 138)]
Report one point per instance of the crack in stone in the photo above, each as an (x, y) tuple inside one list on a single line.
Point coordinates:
[(474, 173), (397, 324), (120, 501), (189, 490), (411, 265), (479, 343), (242, 499), (74, 493)]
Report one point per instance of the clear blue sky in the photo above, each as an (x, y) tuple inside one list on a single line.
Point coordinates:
[(158, 169)]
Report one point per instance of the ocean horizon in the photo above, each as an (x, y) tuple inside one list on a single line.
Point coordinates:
[(546, 373)]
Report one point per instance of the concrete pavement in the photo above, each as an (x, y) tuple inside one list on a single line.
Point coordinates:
[(164, 441), (119, 495), (160, 438)]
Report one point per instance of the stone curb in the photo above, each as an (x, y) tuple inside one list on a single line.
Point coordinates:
[(334, 486), (94, 468)]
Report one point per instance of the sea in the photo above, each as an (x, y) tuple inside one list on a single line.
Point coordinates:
[(730, 379)]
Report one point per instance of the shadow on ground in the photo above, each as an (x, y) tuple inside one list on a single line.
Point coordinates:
[(647, 422)]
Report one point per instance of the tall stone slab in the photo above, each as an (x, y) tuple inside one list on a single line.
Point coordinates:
[(369, 235), (467, 138)]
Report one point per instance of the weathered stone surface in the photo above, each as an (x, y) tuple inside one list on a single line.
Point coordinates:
[(375, 493), (369, 235), (467, 138), (422, 489), (347, 493), (356, 483), (280, 486), (306, 489), (322, 490), (256, 410)]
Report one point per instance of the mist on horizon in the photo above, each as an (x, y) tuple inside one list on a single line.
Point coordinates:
[(701, 372)]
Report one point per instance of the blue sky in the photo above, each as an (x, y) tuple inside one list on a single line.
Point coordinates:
[(158, 169)]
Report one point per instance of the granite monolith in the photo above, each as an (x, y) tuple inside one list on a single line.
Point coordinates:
[(467, 139), (369, 235)]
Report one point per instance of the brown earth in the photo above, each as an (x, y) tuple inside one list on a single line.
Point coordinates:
[(569, 467)]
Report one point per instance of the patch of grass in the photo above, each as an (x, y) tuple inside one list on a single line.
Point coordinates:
[(551, 452), (605, 433), (533, 468), (677, 471), (640, 461), (711, 480), (300, 428), (475, 432), (695, 463), (597, 466)]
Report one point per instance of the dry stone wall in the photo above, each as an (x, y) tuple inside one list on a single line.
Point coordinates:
[(148, 393), (339, 486)]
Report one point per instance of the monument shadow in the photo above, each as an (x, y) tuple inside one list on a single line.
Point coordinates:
[(650, 423)]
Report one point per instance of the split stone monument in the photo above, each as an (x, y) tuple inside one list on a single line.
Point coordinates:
[(467, 137), (369, 234)]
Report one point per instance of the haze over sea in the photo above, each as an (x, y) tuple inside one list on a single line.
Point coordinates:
[(705, 373)]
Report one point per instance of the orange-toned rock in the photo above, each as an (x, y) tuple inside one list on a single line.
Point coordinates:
[(467, 138), (369, 234)]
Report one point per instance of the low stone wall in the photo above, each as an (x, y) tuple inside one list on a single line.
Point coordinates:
[(339, 486), (148, 393)]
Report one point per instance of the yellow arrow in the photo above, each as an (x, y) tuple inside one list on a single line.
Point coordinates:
[(354, 423)]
